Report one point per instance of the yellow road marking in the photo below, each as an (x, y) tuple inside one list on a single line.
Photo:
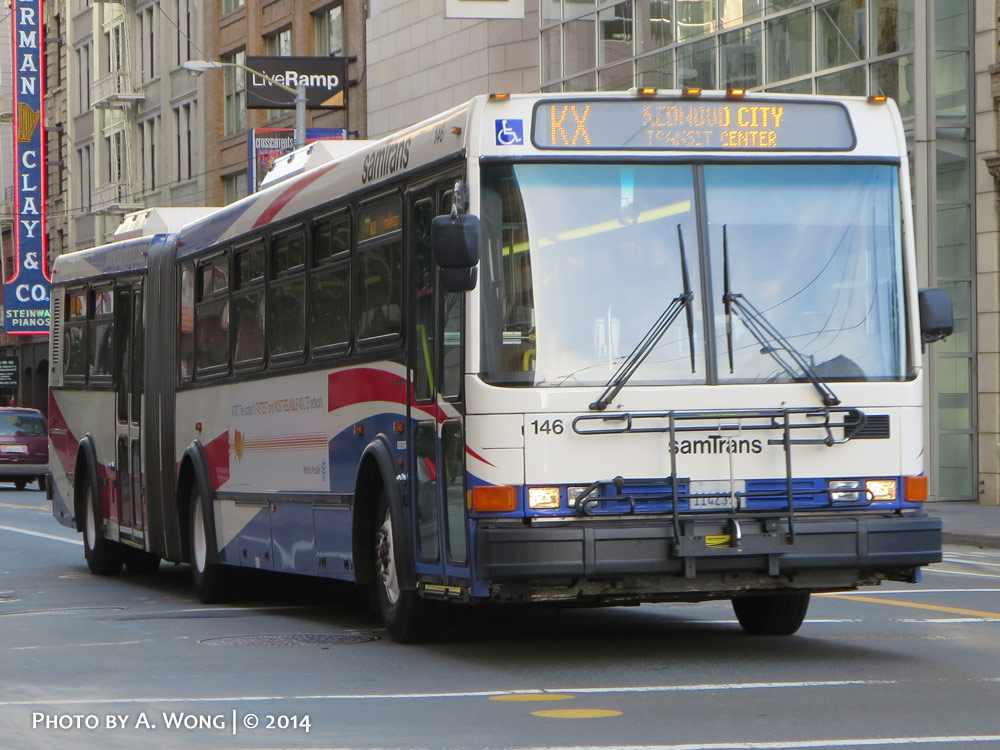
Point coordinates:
[(523, 697), (576, 713), (25, 507), (918, 605)]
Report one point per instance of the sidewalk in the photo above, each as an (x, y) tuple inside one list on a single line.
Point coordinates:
[(967, 522)]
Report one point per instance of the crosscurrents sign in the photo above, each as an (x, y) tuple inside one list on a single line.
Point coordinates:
[(701, 124), (323, 78), (266, 145), (26, 291)]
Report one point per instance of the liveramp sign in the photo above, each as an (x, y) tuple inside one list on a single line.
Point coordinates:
[(27, 283)]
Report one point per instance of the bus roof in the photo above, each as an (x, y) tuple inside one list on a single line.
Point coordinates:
[(105, 260), (342, 174)]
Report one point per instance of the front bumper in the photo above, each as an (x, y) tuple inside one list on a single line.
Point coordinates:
[(825, 551)]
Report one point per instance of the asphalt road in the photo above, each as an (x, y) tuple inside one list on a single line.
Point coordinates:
[(138, 662)]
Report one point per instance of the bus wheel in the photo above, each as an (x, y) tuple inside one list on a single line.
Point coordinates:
[(406, 616), (139, 562), (209, 577), (771, 614), (20, 484), (104, 557)]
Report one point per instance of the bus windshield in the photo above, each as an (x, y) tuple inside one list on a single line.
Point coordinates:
[(581, 259)]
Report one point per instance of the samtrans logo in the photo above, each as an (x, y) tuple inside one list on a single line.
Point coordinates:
[(715, 445), (386, 160)]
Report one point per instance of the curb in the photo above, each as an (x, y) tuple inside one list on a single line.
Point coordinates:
[(984, 541)]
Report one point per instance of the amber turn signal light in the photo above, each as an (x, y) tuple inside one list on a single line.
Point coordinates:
[(916, 489), (501, 499)]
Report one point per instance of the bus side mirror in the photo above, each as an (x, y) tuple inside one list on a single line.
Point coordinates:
[(936, 317), (455, 242)]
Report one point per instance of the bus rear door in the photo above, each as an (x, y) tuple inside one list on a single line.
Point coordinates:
[(437, 435), (128, 408)]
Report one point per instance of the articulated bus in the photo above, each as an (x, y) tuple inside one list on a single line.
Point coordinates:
[(568, 349)]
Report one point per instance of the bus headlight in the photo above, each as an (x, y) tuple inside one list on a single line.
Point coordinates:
[(543, 497), (881, 489), (844, 490)]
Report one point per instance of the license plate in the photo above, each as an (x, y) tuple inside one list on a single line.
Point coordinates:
[(13, 449), (716, 494)]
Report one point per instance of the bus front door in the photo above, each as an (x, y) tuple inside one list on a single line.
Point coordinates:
[(128, 409), (440, 525)]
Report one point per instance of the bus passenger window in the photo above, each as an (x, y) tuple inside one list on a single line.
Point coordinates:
[(381, 275), (249, 303), (102, 352), (330, 307), (186, 327), (74, 351), (102, 334), (289, 252), (211, 313), (75, 335), (331, 237), (248, 322), (212, 334), (287, 332)]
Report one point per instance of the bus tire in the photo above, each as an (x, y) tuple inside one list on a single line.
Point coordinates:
[(104, 557), (20, 484), (771, 614), (209, 577), (139, 562), (407, 617)]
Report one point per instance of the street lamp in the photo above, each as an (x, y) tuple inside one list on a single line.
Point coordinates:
[(197, 67)]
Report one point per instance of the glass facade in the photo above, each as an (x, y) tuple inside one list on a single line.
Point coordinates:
[(851, 47)]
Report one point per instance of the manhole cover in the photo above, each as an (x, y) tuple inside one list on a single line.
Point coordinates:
[(291, 639)]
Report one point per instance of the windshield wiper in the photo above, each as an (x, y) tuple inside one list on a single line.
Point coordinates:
[(769, 337), (643, 349)]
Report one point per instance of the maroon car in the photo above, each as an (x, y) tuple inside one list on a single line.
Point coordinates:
[(24, 447)]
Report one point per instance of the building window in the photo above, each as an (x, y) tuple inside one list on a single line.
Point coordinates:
[(116, 147), (228, 6), (84, 171), (840, 34), (147, 154), (278, 44), (235, 186), (329, 25), (235, 84), (147, 42), (183, 156), (789, 46), (183, 16), (83, 69), (114, 43), (53, 58)]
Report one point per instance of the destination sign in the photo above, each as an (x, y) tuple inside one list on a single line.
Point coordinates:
[(682, 125)]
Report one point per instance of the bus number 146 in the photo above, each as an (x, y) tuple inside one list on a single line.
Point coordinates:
[(548, 426)]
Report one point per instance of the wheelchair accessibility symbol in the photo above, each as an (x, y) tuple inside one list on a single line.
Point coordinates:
[(509, 132)]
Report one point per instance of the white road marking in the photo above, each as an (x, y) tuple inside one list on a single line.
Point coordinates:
[(41, 535), (879, 592), (50, 646), (474, 694), (787, 744), (959, 573), (951, 620)]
